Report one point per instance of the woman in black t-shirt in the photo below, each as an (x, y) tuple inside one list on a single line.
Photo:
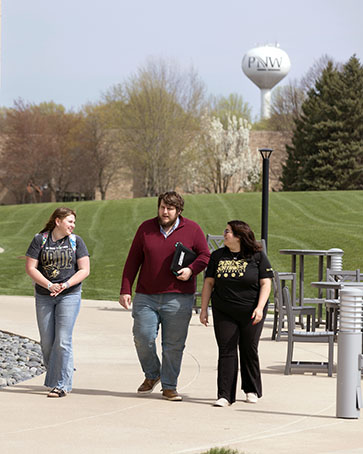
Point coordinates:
[(57, 261), (238, 281)]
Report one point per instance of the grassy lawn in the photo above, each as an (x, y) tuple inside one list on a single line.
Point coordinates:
[(309, 220)]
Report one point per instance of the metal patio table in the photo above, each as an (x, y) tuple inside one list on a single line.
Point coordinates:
[(301, 253), (336, 286)]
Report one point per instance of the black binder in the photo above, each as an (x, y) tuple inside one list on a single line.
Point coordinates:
[(182, 258)]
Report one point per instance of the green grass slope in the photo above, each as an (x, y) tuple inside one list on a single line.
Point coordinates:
[(310, 220)]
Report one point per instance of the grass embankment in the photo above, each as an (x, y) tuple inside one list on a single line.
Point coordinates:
[(310, 220)]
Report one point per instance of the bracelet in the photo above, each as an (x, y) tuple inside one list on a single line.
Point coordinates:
[(65, 285), (49, 285)]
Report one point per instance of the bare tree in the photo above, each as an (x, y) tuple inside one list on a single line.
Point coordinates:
[(21, 150), (62, 156), (232, 105), (101, 146), (159, 110), (38, 150), (314, 72), (286, 106)]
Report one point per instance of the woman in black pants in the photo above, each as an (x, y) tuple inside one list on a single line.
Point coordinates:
[(238, 280)]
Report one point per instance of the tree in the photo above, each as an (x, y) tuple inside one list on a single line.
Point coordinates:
[(347, 142), (286, 107), (223, 156), (100, 145), (159, 109), (38, 150), (61, 161), (22, 143), (287, 100), (233, 105), (307, 82), (327, 149)]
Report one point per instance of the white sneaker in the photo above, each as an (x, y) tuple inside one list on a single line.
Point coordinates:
[(222, 402), (251, 398)]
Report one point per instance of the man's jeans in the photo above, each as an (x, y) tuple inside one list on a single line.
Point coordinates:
[(56, 318), (173, 312)]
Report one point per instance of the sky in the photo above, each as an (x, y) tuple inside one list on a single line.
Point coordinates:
[(72, 51)]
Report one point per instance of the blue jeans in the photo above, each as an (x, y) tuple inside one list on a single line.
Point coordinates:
[(173, 312), (56, 317)]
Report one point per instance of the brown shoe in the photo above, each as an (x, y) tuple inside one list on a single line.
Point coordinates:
[(171, 394), (56, 392), (148, 386)]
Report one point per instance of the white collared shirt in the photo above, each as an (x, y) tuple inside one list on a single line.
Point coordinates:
[(175, 226)]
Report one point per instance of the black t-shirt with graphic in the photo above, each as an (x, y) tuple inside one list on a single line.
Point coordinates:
[(237, 278), (57, 261)]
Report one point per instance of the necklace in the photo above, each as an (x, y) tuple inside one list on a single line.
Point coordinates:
[(235, 254), (59, 243)]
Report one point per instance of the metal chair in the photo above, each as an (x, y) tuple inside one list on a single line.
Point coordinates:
[(345, 275), (305, 336), (280, 311), (214, 242), (332, 301)]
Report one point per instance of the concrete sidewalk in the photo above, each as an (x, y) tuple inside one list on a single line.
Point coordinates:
[(104, 414)]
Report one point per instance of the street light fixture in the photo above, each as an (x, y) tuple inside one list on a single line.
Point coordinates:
[(265, 153)]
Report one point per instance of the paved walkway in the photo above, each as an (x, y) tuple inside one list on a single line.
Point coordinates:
[(105, 415)]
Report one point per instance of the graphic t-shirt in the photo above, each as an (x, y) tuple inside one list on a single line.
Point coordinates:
[(56, 260), (237, 278)]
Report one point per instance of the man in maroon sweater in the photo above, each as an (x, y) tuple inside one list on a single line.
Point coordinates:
[(162, 298)]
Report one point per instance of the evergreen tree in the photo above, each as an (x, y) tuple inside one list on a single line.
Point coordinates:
[(327, 146), (349, 141)]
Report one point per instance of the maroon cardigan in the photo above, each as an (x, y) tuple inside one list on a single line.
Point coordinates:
[(152, 253)]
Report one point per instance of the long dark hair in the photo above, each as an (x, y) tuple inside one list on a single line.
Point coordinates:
[(247, 239), (60, 213)]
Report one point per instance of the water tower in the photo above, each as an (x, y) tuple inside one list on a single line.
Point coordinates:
[(266, 66)]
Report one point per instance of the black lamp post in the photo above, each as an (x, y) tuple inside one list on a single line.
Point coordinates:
[(265, 153)]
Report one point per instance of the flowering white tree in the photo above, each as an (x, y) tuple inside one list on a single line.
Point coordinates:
[(224, 156)]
